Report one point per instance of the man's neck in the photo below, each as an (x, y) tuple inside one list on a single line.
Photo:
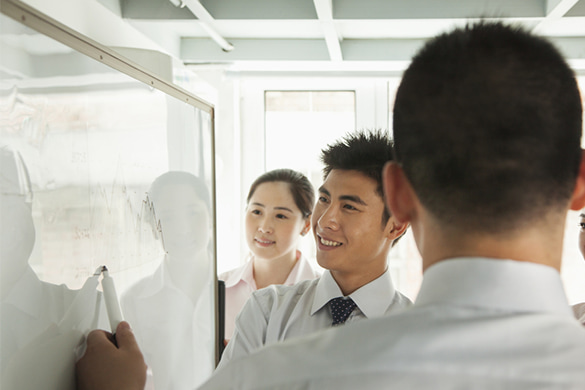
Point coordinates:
[(530, 246)]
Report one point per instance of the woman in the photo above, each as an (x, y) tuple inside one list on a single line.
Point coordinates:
[(279, 207)]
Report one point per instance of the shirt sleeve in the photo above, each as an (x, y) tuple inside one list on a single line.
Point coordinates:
[(250, 329)]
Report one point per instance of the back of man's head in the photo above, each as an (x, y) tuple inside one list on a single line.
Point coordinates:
[(487, 127)]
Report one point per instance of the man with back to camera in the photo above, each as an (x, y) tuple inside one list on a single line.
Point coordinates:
[(353, 234), (487, 126)]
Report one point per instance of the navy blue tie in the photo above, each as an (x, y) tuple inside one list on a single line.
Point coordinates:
[(341, 308)]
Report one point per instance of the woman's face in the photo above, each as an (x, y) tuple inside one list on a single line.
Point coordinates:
[(274, 223)]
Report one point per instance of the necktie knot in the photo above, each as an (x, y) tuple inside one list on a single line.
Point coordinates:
[(341, 308)]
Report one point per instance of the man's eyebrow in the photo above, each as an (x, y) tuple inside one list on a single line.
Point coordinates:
[(351, 198)]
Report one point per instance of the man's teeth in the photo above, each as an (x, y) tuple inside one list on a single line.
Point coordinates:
[(329, 243)]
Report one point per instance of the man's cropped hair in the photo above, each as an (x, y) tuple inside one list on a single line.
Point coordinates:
[(487, 127), (365, 151)]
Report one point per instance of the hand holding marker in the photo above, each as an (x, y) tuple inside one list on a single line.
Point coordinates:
[(111, 301)]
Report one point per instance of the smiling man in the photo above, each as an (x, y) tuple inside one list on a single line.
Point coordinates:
[(353, 233)]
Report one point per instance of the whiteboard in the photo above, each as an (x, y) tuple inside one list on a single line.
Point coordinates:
[(83, 145)]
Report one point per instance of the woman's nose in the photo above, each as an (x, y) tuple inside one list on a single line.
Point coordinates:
[(265, 226)]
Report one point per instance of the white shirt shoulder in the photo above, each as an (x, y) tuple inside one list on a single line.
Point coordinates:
[(264, 314)]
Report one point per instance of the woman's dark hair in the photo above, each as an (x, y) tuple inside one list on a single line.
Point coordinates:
[(300, 187)]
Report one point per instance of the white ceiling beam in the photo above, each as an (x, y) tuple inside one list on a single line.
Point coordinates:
[(558, 8), (197, 50), (207, 22), (205, 50), (433, 9), (555, 10), (324, 10)]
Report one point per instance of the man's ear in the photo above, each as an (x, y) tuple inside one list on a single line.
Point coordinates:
[(578, 198), (396, 229), (398, 193)]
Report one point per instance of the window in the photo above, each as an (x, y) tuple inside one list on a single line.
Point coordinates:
[(298, 124)]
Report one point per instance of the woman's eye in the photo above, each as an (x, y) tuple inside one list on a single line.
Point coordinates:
[(281, 216), (582, 225), (255, 212)]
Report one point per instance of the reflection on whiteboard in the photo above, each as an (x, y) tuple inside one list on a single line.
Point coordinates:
[(170, 309), (42, 324), (94, 140)]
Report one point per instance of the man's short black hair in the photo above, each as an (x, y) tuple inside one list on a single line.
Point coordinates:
[(363, 151), (487, 127)]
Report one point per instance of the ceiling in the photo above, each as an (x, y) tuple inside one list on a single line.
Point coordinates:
[(335, 31)]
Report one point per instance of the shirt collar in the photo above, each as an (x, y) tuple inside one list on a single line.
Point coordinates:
[(244, 273), (302, 270), (497, 284), (367, 297)]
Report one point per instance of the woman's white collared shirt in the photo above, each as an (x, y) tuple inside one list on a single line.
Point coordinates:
[(240, 284)]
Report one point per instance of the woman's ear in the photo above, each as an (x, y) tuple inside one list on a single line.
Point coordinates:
[(578, 198), (398, 193), (307, 226)]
